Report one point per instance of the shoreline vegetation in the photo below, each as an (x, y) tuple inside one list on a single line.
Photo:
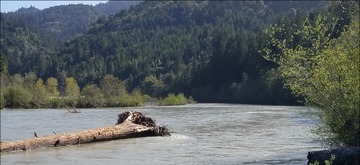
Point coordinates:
[(319, 60), (31, 92)]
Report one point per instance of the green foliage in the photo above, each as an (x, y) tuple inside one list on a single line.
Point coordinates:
[(31, 92), (17, 96), (39, 96), (124, 101), (22, 47), (58, 24), (57, 102), (2, 92), (30, 37), (2, 100), (112, 86), (325, 70), (336, 81), (330, 161), (4, 79), (3, 64), (128, 101), (327, 162), (172, 99), (176, 47), (152, 86), (52, 87), (91, 96), (72, 91)]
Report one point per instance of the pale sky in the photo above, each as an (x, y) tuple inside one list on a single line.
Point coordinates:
[(13, 5)]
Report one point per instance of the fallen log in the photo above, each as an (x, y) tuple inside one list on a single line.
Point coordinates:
[(341, 156), (129, 125)]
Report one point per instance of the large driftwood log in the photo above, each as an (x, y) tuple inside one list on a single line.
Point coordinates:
[(129, 125)]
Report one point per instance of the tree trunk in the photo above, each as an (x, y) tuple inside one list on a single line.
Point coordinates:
[(130, 124)]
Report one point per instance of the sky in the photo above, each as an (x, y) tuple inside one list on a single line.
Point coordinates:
[(13, 5)]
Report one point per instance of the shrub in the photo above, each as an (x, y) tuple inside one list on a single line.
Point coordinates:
[(173, 99), (17, 96)]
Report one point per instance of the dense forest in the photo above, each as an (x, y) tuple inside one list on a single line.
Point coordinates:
[(30, 37), (59, 24), (209, 50), (206, 49)]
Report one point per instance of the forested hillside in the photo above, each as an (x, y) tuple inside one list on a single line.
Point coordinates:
[(30, 37), (206, 49), (23, 49), (59, 24)]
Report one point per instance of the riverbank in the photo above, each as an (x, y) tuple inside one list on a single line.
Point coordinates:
[(135, 99)]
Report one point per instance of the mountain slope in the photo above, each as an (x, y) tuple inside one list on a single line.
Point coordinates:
[(23, 49), (59, 24), (30, 37), (190, 46)]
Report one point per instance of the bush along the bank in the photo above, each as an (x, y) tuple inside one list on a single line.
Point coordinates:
[(172, 99), (29, 91)]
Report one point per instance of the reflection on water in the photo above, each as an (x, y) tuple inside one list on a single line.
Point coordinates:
[(202, 134)]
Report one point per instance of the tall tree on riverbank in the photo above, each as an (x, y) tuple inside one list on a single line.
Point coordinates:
[(40, 95), (4, 79), (52, 87), (72, 91), (324, 69)]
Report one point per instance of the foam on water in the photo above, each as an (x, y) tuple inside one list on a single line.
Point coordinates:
[(179, 136)]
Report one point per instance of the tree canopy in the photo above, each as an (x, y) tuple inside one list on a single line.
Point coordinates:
[(324, 68)]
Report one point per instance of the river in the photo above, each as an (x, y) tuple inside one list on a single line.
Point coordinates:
[(201, 134)]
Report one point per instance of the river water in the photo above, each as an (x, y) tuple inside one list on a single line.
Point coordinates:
[(202, 134)]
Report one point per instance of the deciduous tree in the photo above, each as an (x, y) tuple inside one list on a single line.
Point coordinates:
[(325, 70)]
